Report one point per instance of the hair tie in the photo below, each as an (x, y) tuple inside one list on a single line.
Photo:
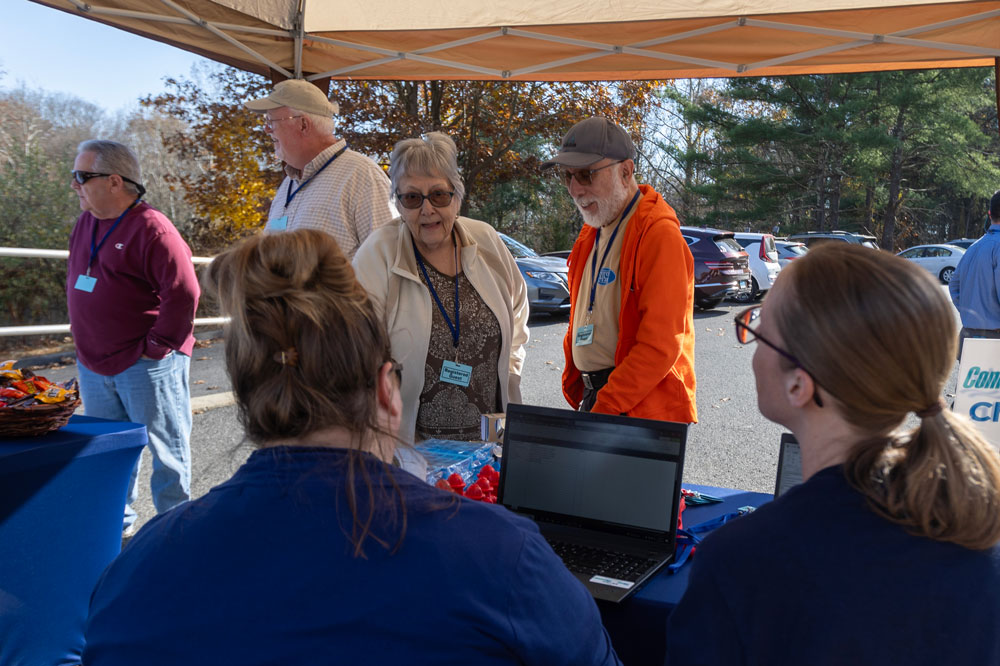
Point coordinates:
[(288, 357), (932, 410)]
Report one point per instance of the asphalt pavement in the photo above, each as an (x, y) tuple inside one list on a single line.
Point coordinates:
[(732, 445)]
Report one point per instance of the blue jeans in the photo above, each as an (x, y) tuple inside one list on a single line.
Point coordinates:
[(155, 394)]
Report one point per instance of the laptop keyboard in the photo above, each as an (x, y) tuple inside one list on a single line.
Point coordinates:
[(592, 561)]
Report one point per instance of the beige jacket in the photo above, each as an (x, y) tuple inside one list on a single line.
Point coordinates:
[(386, 266)]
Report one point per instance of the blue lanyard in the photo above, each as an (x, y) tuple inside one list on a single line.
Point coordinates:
[(95, 247), (597, 241), (291, 194), (455, 328)]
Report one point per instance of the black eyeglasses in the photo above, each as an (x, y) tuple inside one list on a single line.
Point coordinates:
[(82, 177), (397, 369), (413, 200), (746, 332), (583, 176)]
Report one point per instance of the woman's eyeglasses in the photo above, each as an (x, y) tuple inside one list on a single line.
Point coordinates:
[(583, 176), (397, 369), (747, 322), (413, 200)]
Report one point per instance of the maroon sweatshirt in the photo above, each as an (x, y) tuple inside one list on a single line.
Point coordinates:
[(145, 296)]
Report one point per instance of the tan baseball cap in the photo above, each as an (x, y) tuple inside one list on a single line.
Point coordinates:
[(297, 94)]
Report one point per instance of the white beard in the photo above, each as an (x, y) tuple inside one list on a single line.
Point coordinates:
[(607, 209)]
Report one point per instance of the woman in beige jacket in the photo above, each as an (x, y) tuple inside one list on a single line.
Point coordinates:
[(453, 299)]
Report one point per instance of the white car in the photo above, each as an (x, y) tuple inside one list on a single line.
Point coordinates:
[(763, 255), (940, 260)]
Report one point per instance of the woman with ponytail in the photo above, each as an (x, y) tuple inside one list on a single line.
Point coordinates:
[(319, 550), (887, 552)]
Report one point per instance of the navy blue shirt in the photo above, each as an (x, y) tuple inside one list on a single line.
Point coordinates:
[(817, 578), (261, 571)]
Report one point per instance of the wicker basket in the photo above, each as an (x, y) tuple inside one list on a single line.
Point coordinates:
[(35, 420)]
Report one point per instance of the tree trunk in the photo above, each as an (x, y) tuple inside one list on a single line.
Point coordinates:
[(895, 183)]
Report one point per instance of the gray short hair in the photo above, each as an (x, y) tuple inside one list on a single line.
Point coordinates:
[(433, 155), (323, 124), (114, 157)]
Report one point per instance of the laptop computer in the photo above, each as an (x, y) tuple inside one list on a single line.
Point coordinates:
[(602, 489), (789, 465)]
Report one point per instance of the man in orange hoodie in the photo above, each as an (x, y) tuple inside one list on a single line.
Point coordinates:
[(630, 344)]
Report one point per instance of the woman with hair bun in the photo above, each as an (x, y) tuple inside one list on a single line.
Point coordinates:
[(318, 550), (887, 552), (454, 301)]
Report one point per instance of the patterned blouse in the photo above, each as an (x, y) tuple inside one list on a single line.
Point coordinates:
[(450, 411)]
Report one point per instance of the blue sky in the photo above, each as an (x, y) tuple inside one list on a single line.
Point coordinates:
[(49, 49)]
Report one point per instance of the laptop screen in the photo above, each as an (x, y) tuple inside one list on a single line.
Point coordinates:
[(789, 465), (586, 469)]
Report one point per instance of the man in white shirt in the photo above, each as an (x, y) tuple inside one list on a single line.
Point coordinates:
[(327, 187)]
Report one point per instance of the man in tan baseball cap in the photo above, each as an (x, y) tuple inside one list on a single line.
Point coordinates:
[(328, 186)]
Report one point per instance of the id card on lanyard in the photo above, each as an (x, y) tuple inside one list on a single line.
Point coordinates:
[(452, 372), (603, 276), (84, 281)]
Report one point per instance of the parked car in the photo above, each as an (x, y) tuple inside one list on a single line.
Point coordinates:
[(546, 277), (811, 238), (558, 253), (963, 243), (721, 267), (940, 260), (764, 264), (789, 251)]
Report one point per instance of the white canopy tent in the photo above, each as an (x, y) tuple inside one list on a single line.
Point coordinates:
[(562, 40)]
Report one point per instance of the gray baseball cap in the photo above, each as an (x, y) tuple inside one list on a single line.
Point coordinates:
[(590, 141), (297, 94)]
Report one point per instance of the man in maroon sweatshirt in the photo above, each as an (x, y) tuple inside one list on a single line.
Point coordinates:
[(132, 294)]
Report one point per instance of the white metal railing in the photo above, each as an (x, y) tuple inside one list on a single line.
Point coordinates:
[(25, 253)]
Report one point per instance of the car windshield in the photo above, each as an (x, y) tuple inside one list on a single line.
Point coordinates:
[(519, 250), (795, 248), (769, 245)]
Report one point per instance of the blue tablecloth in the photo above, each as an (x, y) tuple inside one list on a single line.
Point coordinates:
[(638, 625), (62, 497)]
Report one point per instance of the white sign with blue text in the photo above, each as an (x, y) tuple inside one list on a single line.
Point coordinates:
[(978, 392)]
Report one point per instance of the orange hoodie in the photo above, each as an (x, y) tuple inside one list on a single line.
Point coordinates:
[(654, 359)]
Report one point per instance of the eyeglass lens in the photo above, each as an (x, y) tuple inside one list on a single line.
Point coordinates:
[(747, 322), (438, 199), (583, 176), (269, 122), (83, 176)]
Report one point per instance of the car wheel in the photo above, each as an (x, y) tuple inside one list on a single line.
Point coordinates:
[(709, 303), (946, 273), (755, 292)]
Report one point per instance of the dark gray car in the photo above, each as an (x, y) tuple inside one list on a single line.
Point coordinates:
[(546, 277)]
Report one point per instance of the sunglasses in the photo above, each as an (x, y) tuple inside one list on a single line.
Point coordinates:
[(747, 322), (414, 200), (82, 177), (583, 176)]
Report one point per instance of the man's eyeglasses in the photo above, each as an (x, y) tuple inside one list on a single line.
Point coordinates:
[(269, 122), (82, 177), (583, 176), (747, 322), (413, 200)]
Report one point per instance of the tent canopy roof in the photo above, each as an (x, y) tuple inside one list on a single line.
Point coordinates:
[(562, 40)]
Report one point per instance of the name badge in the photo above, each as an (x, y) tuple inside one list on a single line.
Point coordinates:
[(605, 276), (456, 373), (85, 283), (278, 223), (584, 335)]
